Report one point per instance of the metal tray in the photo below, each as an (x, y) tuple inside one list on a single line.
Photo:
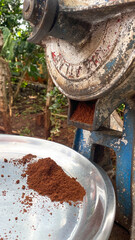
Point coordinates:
[(46, 220)]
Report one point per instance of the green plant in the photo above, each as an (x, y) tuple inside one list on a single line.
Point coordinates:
[(24, 84), (58, 104), (35, 108), (25, 131), (120, 110), (11, 14), (56, 122), (59, 101), (25, 59)]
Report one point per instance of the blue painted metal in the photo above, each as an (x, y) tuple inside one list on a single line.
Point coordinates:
[(123, 146), (133, 190), (110, 65), (82, 142), (124, 163)]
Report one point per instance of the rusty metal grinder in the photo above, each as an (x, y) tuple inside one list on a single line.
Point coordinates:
[(90, 51)]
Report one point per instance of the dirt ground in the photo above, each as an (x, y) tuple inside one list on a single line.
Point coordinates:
[(27, 110), (28, 119)]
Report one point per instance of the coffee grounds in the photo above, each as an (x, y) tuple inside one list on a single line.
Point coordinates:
[(23, 175), (4, 193), (27, 201), (17, 181), (5, 160), (26, 159), (84, 112), (47, 178)]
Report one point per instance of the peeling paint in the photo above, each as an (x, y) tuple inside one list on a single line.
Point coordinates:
[(109, 65), (124, 141)]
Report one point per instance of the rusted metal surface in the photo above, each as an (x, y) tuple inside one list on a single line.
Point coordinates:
[(39, 13), (89, 72), (107, 104), (90, 4), (86, 59), (62, 19)]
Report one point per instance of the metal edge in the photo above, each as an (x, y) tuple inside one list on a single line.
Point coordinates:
[(111, 201), (111, 210)]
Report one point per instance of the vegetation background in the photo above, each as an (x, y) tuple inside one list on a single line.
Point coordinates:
[(27, 66)]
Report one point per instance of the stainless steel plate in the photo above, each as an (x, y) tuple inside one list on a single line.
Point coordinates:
[(46, 220)]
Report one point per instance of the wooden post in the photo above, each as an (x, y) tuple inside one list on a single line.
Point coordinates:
[(4, 75), (47, 123)]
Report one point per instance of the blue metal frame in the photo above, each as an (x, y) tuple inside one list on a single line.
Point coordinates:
[(124, 149)]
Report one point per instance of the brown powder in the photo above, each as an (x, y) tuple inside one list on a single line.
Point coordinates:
[(4, 193), (23, 175), (84, 112), (27, 201), (24, 210), (26, 159), (23, 194), (47, 178), (5, 160), (17, 181)]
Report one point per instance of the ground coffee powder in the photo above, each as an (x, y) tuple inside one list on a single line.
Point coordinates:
[(47, 178), (24, 160), (84, 112)]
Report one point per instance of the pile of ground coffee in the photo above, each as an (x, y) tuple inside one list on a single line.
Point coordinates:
[(24, 160), (47, 178), (84, 112)]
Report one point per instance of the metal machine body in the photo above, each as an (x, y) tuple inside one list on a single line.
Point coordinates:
[(124, 146), (90, 51)]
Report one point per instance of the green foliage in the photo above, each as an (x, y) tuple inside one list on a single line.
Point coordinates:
[(56, 123), (24, 84), (59, 101), (23, 57), (33, 109), (8, 47), (25, 131), (10, 14), (120, 110)]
